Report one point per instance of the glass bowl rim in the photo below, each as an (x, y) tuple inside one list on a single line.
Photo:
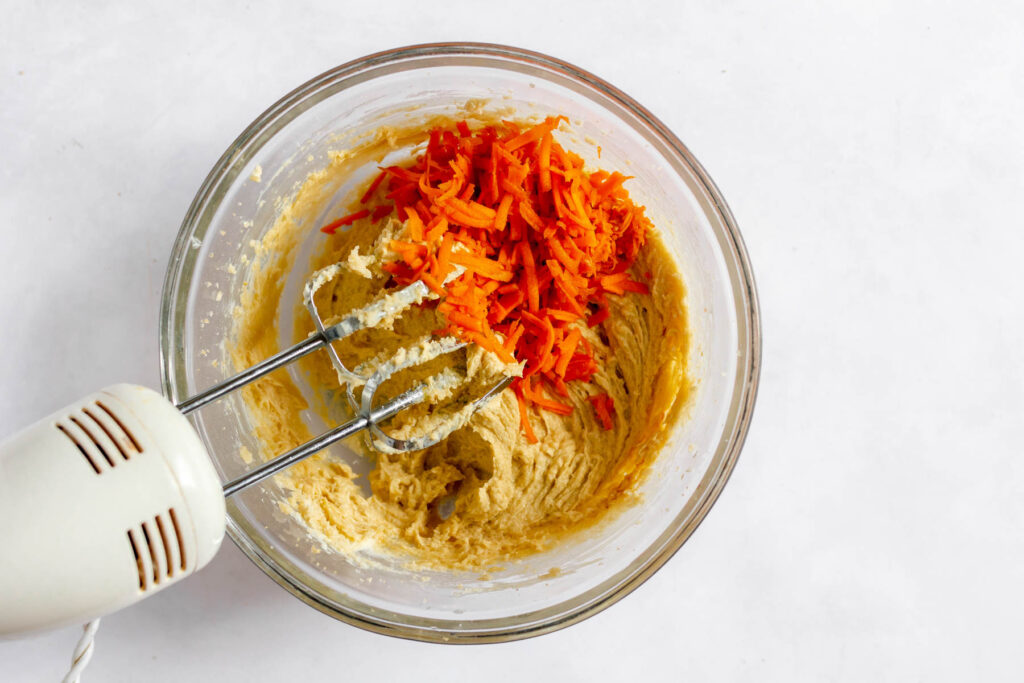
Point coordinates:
[(178, 280)]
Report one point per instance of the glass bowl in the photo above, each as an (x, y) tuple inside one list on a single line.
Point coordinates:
[(586, 572)]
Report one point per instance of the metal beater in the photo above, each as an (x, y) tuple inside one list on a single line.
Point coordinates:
[(367, 377)]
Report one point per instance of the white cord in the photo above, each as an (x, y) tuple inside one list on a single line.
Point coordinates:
[(83, 652)]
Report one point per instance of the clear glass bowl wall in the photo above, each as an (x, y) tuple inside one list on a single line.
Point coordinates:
[(211, 261)]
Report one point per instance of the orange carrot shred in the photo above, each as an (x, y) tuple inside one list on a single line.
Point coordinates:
[(501, 215), (432, 284), (414, 223), (529, 215), (483, 266), (535, 133), (532, 289), (444, 256), (547, 404), (381, 211), (524, 419), (604, 406), (437, 227), (469, 322), (373, 187), (598, 318), (566, 349), (333, 226), (544, 163)]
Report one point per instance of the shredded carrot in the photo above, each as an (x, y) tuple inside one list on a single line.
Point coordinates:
[(598, 318), (566, 350), (501, 215), (544, 162), (381, 211), (524, 419), (638, 287), (514, 335), (537, 398), (333, 226), (469, 322), (530, 276), (415, 224), (436, 228), (535, 133), (444, 254), (432, 283), (530, 216), (604, 406), (481, 265), (373, 187), (541, 242)]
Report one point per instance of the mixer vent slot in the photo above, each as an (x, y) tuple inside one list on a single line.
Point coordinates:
[(182, 560), (140, 565), (154, 556), (100, 436), (88, 457), (158, 549), (131, 442)]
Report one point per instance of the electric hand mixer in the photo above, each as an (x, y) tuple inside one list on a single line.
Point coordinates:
[(114, 497)]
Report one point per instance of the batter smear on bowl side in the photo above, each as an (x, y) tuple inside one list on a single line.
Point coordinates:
[(551, 271)]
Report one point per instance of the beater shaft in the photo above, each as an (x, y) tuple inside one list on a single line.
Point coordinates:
[(278, 360), (357, 424)]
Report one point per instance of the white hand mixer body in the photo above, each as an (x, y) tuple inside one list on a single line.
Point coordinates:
[(102, 504), (113, 498)]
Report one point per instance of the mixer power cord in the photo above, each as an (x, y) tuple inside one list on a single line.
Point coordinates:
[(83, 652)]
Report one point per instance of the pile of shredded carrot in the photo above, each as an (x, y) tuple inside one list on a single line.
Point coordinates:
[(543, 244)]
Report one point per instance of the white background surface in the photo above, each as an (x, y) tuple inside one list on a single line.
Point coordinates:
[(872, 155)]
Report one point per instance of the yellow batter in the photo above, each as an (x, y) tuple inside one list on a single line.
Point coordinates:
[(485, 495)]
